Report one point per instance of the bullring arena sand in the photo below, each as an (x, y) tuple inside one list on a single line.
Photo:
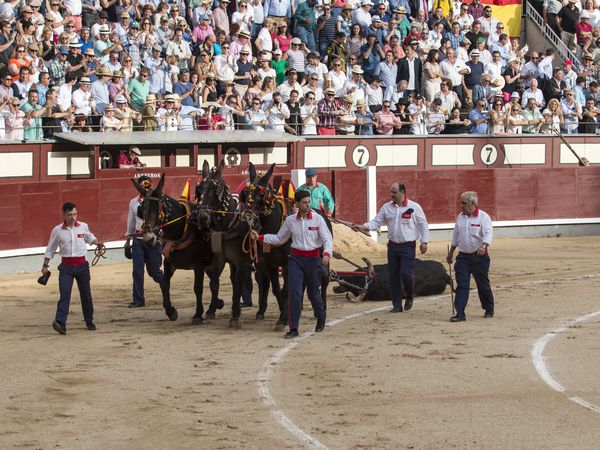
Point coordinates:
[(373, 380)]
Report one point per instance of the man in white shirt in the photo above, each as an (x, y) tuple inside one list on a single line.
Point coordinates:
[(289, 85), (406, 224), (533, 92), (70, 238), (473, 235), (494, 68), (277, 112), (82, 98), (454, 69), (65, 92), (264, 41), (142, 254), (362, 16), (530, 70), (309, 233)]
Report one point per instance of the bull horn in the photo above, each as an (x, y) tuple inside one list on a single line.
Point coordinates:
[(356, 298), (370, 267)]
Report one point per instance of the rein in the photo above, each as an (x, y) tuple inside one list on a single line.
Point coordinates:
[(99, 252)]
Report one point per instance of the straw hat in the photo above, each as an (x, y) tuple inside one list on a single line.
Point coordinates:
[(357, 69), (103, 71), (498, 82)]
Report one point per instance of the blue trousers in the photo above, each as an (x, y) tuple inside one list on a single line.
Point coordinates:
[(478, 266), (304, 269), (307, 35), (66, 276), (401, 268), (151, 257)]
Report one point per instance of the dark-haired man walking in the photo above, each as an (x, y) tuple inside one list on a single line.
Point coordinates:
[(309, 233), (70, 238), (406, 223)]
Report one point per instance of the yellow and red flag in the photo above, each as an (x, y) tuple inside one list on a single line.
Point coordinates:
[(185, 194), (508, 12)]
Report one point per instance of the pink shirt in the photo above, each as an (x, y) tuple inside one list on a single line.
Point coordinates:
[(579, 28), (201, 33)]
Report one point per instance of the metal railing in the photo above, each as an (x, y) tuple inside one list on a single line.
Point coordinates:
[(563, 51)]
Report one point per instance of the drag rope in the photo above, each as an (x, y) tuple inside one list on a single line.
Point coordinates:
[(99, 252)]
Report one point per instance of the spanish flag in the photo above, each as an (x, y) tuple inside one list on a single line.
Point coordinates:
[(185, 194), (508, 12)]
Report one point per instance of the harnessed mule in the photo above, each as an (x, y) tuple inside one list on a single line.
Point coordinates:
[(217, 214), (259, 196), (184, 247)]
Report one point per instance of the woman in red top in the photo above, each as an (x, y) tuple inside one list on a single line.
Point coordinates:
[(282, 39), (17, 61)]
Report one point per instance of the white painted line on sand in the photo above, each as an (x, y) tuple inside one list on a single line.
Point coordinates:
[(264, 376), (539, 362)]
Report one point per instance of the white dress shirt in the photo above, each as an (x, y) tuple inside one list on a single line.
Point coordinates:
[(64, 96), (307, 234), (406, 222), (134, 223), (71, 242), (471, 232), (83, 102)]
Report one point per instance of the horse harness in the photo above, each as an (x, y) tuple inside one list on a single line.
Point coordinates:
[(185, 241)]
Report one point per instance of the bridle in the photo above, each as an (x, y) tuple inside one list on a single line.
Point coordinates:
[(265, 194)]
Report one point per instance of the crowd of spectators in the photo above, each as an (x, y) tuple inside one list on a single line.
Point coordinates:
[(307, 67)]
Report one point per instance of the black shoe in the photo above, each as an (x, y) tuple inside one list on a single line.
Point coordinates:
[(291, 334), (458, 319), (488, 314), (136, 305), (320, 325), (59, 327), (339, 289), (90, 326), (396, 310), (408, 304), (246, 305)]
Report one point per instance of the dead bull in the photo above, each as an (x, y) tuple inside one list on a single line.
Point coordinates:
[(430, 278)]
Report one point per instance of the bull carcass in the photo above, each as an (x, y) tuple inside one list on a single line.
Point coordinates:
[(372, 281)]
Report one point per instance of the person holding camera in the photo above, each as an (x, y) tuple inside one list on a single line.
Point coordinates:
[(277, 112), (70, 238), (479, 118)]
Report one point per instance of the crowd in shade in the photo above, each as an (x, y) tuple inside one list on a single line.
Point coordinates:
[(306, 67)]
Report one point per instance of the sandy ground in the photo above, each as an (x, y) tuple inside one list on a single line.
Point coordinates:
[(410, 380)]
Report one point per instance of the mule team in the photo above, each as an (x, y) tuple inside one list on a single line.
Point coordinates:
[(217, 229)]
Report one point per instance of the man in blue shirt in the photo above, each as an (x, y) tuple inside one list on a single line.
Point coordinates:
[(364, 119), (479, 118), (372, 54), (305, 24), (188, 93)]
